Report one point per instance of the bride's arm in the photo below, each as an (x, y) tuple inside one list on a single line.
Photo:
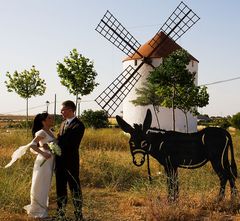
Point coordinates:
[(35, 147)]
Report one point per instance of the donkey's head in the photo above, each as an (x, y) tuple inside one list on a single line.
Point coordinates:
[(139, 145)]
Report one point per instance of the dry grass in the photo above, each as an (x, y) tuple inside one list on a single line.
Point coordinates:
[(191, 207), (113, 188), (104, 139)]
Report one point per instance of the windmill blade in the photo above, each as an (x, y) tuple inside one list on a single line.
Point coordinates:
[(179, 22), (111, 29), (115, 93)]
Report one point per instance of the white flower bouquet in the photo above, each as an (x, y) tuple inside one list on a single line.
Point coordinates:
[(55, 149)]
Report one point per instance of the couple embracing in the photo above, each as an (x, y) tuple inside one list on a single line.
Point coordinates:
[(66, 165)]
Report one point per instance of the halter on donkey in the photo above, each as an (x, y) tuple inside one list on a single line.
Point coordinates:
[(174, 149)]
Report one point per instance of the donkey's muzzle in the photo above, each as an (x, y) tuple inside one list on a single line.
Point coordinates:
[(138, 157)]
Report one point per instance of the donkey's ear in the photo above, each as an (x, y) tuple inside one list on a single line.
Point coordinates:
[(148, 121), (124, 125)]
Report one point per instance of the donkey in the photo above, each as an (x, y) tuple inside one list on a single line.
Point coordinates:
[(184, 150)]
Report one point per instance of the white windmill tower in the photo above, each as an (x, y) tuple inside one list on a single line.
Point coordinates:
[(142, 59), (135, 114)]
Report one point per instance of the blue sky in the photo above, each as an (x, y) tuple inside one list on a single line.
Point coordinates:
[(43, 32)]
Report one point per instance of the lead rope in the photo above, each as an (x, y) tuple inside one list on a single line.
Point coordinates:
[(148, 168)]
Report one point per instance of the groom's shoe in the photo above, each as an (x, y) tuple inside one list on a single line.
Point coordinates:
[(61, 216), (79, 216)]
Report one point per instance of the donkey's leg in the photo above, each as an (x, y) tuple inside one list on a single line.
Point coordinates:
[(234, 191), (231, 176), (172, 182), (223, 182), (222, 177), (232, 179), (169, 183), (176, 184)]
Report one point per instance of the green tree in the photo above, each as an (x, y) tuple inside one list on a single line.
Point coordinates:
[(95, 119), (147, 95), (173, 79), (77, 74), (188, 99), (26, 84), (236, 120)]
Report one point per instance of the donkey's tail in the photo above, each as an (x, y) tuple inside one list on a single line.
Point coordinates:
[(233, 165)]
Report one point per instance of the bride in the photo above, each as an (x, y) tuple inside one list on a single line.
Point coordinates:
[(43, 165), (42, 171)]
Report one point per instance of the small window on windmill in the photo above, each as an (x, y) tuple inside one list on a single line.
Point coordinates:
[(192, 63), (135, 62)]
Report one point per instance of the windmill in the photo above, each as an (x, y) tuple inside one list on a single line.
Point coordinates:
[(178, 23)]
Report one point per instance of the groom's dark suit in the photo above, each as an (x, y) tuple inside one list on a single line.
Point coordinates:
[(67, 165)]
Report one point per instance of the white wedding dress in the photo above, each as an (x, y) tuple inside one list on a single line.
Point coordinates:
[(41, 181)]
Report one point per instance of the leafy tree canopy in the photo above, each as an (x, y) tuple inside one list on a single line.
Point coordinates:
[(188, 99), (173, 71), (147, 95), (172, 85), (77, 74), (26, 84), (175, 84)]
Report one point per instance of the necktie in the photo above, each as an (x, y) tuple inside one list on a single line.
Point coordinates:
[(65, 126)]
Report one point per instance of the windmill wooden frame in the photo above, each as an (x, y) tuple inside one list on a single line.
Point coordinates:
[(178, 23)]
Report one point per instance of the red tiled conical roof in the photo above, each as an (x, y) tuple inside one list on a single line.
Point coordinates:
[(167, 47)]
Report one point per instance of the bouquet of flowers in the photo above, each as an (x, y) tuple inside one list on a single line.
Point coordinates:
[(55, 149)]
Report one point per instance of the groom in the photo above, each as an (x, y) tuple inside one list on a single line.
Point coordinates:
[(67, 165)]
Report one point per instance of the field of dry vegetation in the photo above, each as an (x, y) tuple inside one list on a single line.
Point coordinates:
[(113, 188)]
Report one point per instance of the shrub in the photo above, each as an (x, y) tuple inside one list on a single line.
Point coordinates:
[(223, 123), (95, 119), (236, 120)]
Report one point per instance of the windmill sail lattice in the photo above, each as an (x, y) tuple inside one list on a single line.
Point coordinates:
[(118, 90), (110, 28), (180, 21)]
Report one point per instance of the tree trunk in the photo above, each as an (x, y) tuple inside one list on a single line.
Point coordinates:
[(27, 116), (185, 113), (155, 111), (173, 108), (78, 100)]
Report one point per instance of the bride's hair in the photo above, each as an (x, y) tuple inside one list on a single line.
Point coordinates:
[(37, 122)]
